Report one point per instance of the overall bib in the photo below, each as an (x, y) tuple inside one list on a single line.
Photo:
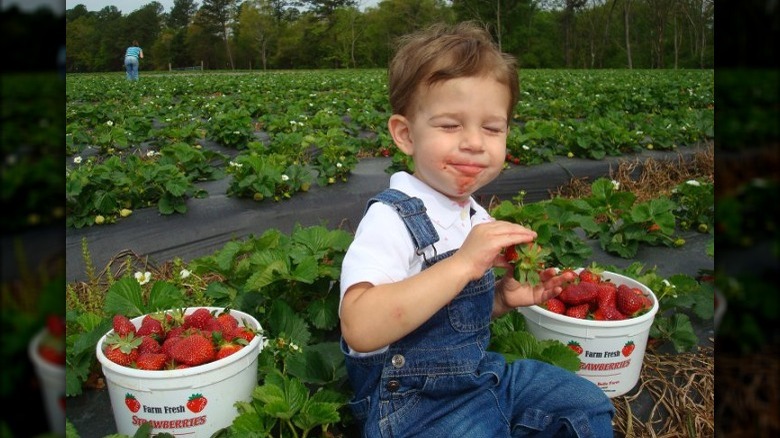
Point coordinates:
[(439, 381)]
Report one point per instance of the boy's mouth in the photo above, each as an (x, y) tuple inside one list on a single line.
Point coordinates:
[(468, 169)]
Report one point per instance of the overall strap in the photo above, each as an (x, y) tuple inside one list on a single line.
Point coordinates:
[(412, 211)]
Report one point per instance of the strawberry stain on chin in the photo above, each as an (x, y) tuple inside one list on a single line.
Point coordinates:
[(463, 181)]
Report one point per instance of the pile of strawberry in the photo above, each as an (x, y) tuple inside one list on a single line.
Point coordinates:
[(592, 297), (175, 340)]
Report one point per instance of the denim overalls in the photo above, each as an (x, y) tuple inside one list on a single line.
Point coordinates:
[(439, 381)]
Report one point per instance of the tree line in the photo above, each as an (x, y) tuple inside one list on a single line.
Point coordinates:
[(313, 34)]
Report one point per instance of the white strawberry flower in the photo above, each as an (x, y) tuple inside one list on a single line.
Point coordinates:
[(110, 123), (693, 182), (285, 178), (184, 273), (143, 277), (77, 159), (615, 184), (526, 148)]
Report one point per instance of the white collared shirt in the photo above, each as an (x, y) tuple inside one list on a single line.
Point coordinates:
[(383, 252)]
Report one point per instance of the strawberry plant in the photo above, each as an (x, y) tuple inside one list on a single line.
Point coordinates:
[(196, 163), (270, 176), (510, 337), (103, 189), (695, 205), (231, 127)]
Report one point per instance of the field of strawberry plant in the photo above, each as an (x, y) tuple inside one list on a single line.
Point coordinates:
[(274, 135)]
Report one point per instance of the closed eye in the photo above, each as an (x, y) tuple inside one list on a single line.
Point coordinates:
[(494, 129)]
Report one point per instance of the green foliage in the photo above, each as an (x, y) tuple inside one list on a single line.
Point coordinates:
[(271, 176), (695, 205), (105, 188), (511, 339)]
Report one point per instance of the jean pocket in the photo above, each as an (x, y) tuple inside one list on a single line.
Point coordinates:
[(360, 408)]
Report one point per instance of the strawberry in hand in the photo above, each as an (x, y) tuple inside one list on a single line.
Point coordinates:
[(527, 259)]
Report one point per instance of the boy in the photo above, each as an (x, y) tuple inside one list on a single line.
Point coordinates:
[(417, 284)]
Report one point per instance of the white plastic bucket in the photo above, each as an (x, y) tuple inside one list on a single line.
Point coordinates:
[(52, 379), (167, 398), (612, 351)]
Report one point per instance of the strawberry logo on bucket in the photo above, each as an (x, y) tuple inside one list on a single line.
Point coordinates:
[(196, 403), (628, 348), (132, 403), (575, 346)]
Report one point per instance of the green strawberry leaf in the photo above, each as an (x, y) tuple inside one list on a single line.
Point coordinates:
[(124, 297)]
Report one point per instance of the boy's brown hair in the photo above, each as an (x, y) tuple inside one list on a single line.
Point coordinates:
[(443, 52)]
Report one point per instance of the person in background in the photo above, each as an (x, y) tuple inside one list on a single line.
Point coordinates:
[(418, 289), (133, 55)]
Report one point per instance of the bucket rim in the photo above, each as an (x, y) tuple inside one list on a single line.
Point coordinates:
[(650, 314), (254, 347)]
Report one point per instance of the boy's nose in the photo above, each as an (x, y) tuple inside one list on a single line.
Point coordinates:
[(472, 140)]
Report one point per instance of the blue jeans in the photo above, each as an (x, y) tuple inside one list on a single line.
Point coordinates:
[(439, 381), (131, 65)]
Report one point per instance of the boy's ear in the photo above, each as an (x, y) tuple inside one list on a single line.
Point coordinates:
[(398, 126)]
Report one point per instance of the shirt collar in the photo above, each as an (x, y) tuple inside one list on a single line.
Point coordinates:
[(441, 209)]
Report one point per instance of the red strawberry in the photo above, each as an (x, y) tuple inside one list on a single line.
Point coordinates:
[(227, 349), (122, 325), (608, 314), (149, 345), (175, 332), (192, 350), (605, 295), (580, 293), (579, 311), (588, 275), (244, 333), (151, 361), (122, 349), (196, 403), (575, 346), (628, 302), (52, 353), (653, 228), (199, 318), (510, 254), (132, 403), (56, 325), (227, 321), (151, 326), (555, 305), (628, 348), (168, 344)]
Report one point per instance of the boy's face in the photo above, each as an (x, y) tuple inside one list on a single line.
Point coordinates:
[(456, 133)]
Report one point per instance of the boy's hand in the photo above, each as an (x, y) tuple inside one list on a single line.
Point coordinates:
[(511, 294), (483, 246)]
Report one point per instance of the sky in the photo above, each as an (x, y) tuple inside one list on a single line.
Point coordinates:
[(128, 6)]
